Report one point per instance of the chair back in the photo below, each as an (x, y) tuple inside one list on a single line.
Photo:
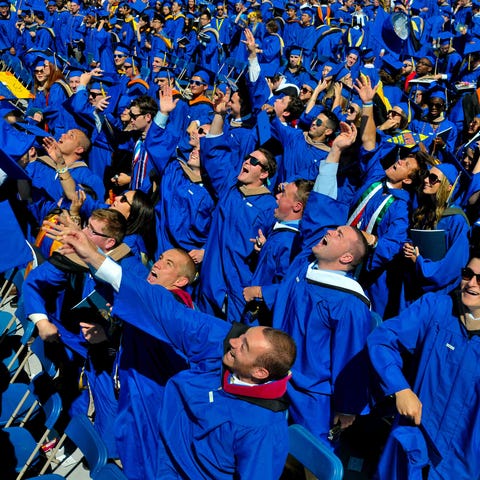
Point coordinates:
[(110, 472), (82, 433), (313, 454)]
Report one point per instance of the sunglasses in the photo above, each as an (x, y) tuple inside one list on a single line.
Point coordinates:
[(318, 122), (39, 71), (134, 116), (201, 131), (306, 90), (351, 110), (393, 113), (432, 179), (254, 162), (197, 83), (407, 65), (116, 55), (468, 274), (124, 199), (437, 105), (94, 232), (94, 95)]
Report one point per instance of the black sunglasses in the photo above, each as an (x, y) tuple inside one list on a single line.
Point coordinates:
[(351, 110), (432, 179), (394, 113), (318, 122), (437, 104), (468, 274), (116, 55), (94, 95), (134, 116), (306, 90), (124, 199), (197, 83), (254, 162)]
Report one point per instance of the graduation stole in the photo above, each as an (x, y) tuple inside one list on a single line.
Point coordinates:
[(282, 43), (48, 161), (336, 281), (358, 42), (382, 96), (267, 391), (379, 212)]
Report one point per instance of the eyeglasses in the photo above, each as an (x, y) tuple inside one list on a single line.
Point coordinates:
[(118, 55), (94, 232), (306, 90), (197, 83), (134, 116), (432, 179), (436, 105), (254, 162), (468, 274), (94, 95), (124, 199), (318, 122), (393, 113)]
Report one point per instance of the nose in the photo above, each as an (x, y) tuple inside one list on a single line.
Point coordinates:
[(473, 282), (235, 342)]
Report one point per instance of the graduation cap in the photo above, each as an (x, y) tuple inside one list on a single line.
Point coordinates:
[(307, 11), (122, 48), (437, 91), (366, 53), (471, 47), (204, 75), (391, 64), (139, 6), (445, 38)]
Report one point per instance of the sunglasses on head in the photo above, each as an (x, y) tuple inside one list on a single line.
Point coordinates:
[(432, 179), (468, 274), (197, 83), (254, 161)]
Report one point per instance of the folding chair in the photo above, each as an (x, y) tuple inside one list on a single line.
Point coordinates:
[(313, 455), (81, 432), (109, 472), (26, 448), (48, 476)]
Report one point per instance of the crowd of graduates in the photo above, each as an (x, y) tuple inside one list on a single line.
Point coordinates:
[(195, 179)]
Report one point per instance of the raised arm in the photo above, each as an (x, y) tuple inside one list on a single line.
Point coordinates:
[(366, 93)]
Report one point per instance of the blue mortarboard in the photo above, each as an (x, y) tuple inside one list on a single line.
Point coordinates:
[(475, 4), (445, 11), (4, 3), (203, 75), (14, 142), (291, 6), (445, 38), (222, 87), (78, 2), (121, 47), (436, 91), (164, 73), (295, 51), (449, 171), (471, 47), (31, 129), (307, 11), (51, 3), (139, 6), (353, 50), (430, 59), (311, 82), (167, 4), (391, 64)]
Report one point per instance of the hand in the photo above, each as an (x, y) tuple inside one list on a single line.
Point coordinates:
[(345, 420), (76, 241), (221, 101), (197, 255), (323, 84), (77, 202), (409, 405), (364, 89), (410, 252), (167, 102), (86, 77), (337, 88), (250, 42), (346, 137), (53, 151), (102, 104), (258, 241), (390, 122), (121, 179), (252, 293), (93, 332), (47, 331)]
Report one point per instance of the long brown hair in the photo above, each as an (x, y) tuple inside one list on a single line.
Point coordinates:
[(431, 208)]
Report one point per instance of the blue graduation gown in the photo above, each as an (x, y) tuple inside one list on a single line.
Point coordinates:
[(447, 381), (228, 263), (330, 328), (204, 432)]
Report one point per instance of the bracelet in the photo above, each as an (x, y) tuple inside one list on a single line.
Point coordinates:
[(77, 219), (368, 104), (62, 170)]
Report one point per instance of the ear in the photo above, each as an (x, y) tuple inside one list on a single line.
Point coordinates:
[(346, 258), (181, 282), (328, 132), (148, 117), (109, 244), (263, 175), (79, 151), (407, 181), (260, 373), (297, 207)]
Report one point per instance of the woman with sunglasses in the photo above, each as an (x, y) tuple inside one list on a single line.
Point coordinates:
[(136, 207), (435, 212)]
